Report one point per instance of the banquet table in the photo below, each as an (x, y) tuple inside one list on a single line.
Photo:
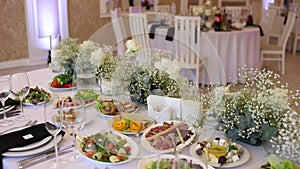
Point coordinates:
[(41, 78), (225, 52)]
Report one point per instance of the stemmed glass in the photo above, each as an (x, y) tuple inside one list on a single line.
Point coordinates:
[(73, 120), (4, 93), (53, 124), (19, 87)]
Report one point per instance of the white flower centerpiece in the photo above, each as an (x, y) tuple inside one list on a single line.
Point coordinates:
[(133, 47), (207, 13), (259, 112), (67, 53)]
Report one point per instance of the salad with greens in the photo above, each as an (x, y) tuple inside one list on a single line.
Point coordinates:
[(167, 163), (87, 95), (111, 148), (36, 95)]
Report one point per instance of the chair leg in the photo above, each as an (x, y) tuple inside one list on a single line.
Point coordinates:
[(295, 45), (283, 63)]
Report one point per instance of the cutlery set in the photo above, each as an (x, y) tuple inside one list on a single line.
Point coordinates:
[(49, 154)]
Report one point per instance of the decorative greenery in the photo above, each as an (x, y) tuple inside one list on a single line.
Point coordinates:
[(67, 54), (259, 111), (150, 78)]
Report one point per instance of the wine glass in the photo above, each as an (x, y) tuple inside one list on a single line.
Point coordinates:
[(19, 87), (4, 93), (73, 120), (53, 124)]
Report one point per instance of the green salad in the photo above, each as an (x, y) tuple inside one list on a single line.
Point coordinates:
[(167, 163), (36, 95), (87, 95)]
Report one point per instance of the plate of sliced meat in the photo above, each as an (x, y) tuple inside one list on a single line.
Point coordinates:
[(165, 136)]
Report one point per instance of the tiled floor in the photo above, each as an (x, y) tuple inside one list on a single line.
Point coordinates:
[(292, 75)]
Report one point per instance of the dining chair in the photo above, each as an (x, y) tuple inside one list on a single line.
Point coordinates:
[(235, 11), (268, 51), (296, 33), (139, 30), (266, 22), (119, 29), (162, 8), (187, 44), (135, 9)]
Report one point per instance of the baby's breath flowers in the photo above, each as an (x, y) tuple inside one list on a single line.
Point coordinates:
[(259, 111), (153, 77)]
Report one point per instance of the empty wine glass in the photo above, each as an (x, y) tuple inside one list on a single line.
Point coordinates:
[(53, 124), (73, 120), (19, 87), (4, 93)]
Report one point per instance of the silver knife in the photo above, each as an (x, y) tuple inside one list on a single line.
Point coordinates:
[(45, 158), (44, 155)]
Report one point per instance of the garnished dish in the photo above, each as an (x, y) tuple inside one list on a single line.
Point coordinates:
[(129, 123), (36, 96), (68, 102), (108, 147), (276, 164), (88, 96), (220, 153), (164, 136), (62, 82), (111, 107), (167, 161)]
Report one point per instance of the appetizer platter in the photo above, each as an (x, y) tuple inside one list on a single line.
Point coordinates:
[(69, 101), (36, 96), (129, 123), (166, 161), (220, 153), (62, 82), (164, 136), (88, 96), (108, 148), (110, 107)]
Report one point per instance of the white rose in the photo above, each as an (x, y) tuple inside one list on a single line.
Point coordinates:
[(208, 3), (97, 57), (174, 69), (132, 46), (207, 12)]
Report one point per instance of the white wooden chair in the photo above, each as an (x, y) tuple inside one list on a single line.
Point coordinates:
[(139, 29), (187, 44), (296, 33), (277, 52), (119, 29), (162, 8), (135, 9), (266, 23), (235, 11)]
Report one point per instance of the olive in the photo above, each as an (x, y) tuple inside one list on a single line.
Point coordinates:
[(199, 151), (222, 159)]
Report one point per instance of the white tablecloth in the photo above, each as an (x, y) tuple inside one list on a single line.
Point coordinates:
[(226, 52), (41, 77)]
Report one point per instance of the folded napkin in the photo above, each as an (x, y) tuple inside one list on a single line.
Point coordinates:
[(23, 137), (170, 34), (165, 114), (9, 102), (152, 30), (260, 28)]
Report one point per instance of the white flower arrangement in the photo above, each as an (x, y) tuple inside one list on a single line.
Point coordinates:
[(259, 112), (133, 47)]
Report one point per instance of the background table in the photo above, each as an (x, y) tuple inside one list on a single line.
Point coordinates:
[(226, 52), (41, 77)]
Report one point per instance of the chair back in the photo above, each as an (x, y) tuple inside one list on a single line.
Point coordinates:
[(119, 29), (139, 30), (235, 11), (135, 9), (266, 22), (162, 8), (287, 30), (187, 42), (276, 9)]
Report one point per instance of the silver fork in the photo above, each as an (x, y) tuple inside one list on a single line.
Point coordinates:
[(17, 127)]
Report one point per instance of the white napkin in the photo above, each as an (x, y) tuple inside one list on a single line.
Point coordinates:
[(160, 115)]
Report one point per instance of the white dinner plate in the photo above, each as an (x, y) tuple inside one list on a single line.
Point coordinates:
[(243, 159), (146, 144), (130, 142), (41, 149), (33, 145), (112, 115), (132, 116), (145, 161), (60, 89), (7, 108)]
